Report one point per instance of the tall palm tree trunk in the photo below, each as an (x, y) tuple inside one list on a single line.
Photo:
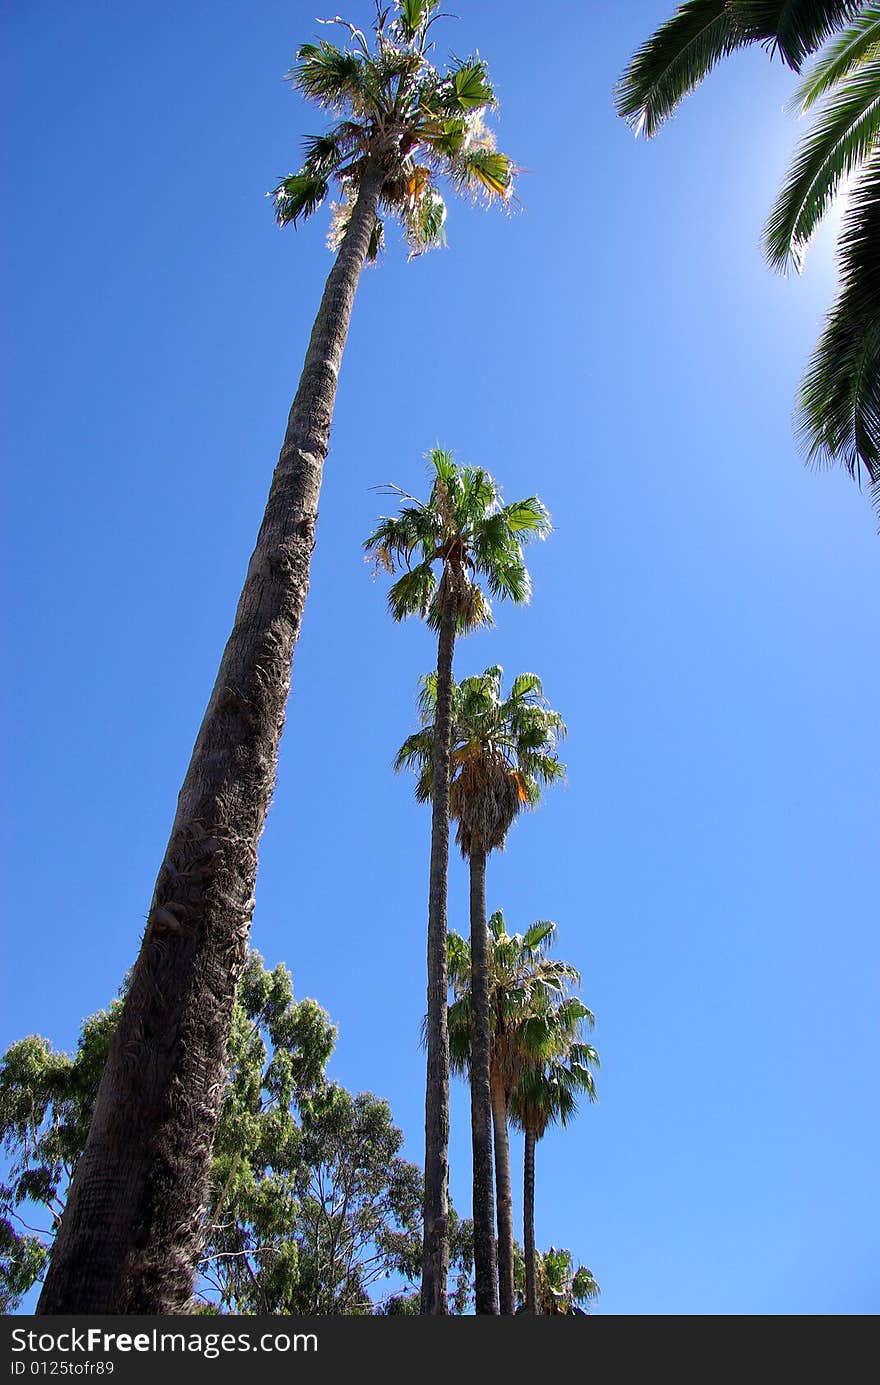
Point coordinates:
[(485, 1266), (435, 1245), (505, 1199), (529, 1221), (131, 1229)]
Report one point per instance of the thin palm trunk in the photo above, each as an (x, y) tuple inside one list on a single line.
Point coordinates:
[(485, 1265), (435, 1245), (529, 1221), (132, 1227), (505, 1199)]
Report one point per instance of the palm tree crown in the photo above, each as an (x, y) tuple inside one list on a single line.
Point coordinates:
[(524, 982), (397, 111), (504, 752), (464, 527), (549, 1087), (561, 1287), (839, 401)]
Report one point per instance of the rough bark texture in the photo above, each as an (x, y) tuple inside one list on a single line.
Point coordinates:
[(485, 1264), (131, 1229), (529, 1222), (505, 1200), (435, 1246)]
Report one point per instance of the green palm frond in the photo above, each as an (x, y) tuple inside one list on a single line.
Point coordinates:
[(496, 924), (525, 685), (417, 754), (459, 959), (459, 1029), (844, 134), (688, 46), (527, 516), (792, 28), (397, 538), (859, 43), (674, 61), (541, 933), (323, 154), (839, 405), (475, 496), (413, 593), (470, 88), (485, 172), (839, 400), (573, 1013), (298, 195), (413, 15), (327, 75), (509, 580), (444, 138)]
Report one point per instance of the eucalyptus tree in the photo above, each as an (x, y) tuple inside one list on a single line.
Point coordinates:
[(839, 400), (476, 541), (504, 752), (547, 1092), (132, 1226), (523, 981)]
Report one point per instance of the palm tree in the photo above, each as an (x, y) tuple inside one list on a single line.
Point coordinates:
[(467, 531), (131, 1230), (560, 1287), (503, 754), (547, 1092), (839, 401), (522, 981)]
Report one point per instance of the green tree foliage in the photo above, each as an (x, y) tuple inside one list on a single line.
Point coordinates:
[(311, 1205)]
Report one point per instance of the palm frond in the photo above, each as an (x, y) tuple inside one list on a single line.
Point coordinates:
[(415, 751), (792, 28), (327, 75), (298, 195), (526, 685), (509, 580), (396, 538), (839, 404), (470, 88), (477, 495), (413, 15), (496, 924), (844, 134), (674, 61), (322, 154), (445, 137), (412, 593), (858, 43), (486, 172), (527, 517)]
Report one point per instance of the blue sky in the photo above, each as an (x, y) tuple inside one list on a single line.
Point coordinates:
[(705, 615)]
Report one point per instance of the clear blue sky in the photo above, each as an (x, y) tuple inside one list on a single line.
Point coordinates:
[(705, 615)]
